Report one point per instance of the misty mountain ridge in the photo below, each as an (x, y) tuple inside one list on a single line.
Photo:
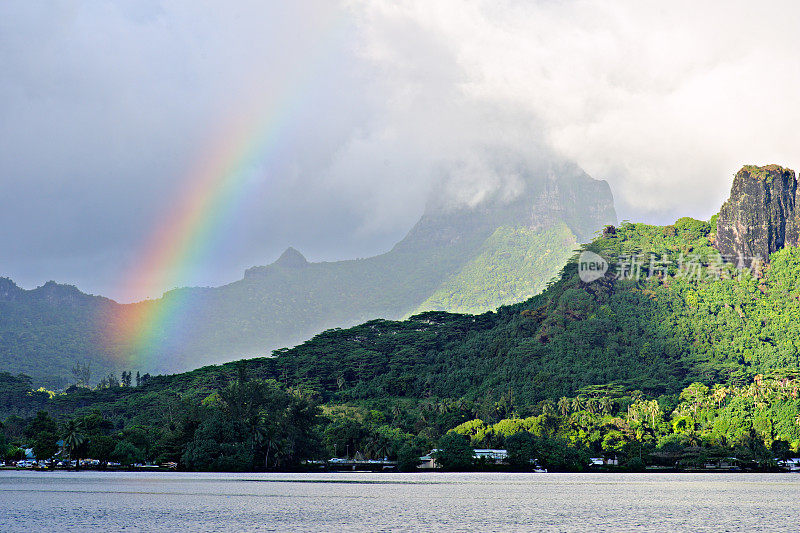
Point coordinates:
[(456, 258), (50, 292)]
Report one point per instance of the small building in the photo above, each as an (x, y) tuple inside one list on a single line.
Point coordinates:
[(604, 461), (723, 463), (792, 465), (490, 455), (428, 461)]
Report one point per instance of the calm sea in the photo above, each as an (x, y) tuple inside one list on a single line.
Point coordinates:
[(93, 501)]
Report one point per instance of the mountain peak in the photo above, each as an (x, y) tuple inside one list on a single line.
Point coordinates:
[(766, 173), (8, 289), (759, 217), (291, 258), (59, 293)]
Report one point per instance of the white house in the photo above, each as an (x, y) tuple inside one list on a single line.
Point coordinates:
[(495, 456), (487, 454), (792, 465), (600, 461)]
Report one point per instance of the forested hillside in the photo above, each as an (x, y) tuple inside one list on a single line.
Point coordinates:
[(44, 331), (471, 259), (668, 312), (650, 346), (672, 356)]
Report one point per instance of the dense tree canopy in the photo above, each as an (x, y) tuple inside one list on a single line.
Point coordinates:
[(673, 356)]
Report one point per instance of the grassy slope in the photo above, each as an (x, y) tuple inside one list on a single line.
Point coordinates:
[(513, 264)]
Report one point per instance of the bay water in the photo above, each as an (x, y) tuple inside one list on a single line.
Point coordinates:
[(154, 501)]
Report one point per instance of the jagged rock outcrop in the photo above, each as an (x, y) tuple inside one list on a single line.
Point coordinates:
[(9, 291), (291, 258), (760, 216)]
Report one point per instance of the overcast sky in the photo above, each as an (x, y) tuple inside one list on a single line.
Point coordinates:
[(106, 108)]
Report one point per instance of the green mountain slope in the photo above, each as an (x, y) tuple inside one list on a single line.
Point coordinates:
[(657, 333), (673, 355), (286, 302), (44, 331), (467, 258), (511, 266)]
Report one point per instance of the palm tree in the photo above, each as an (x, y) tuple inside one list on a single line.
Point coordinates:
[(653, 409), (718, 394), (375, 447), (73, 439), (564, 405), (461, 404), (266, 435), (593, 406), (606, 405), (397, 411), (577, 404), (548, 409), (280, 455)]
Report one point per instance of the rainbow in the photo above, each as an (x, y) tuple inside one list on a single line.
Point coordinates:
[(213, 191)]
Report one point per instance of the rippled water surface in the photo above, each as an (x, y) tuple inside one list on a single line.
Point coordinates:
[(96, 501)]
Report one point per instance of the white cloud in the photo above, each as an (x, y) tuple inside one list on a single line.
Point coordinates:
[(665, 100)]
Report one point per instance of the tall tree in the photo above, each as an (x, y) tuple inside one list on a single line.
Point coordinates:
[(73, 440)]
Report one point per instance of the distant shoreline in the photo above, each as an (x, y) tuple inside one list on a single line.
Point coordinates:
[(158, 469)]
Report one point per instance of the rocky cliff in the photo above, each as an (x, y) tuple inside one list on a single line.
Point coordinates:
[(760, 216)]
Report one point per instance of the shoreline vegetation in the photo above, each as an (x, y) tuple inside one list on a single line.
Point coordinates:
[(649, 470), (344, 466), (258, 425), (670, 369)]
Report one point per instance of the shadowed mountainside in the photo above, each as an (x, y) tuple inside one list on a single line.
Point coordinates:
[(468, 259), (655, 330)]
